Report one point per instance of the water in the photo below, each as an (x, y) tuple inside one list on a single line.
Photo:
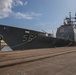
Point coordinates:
[(6, 48)]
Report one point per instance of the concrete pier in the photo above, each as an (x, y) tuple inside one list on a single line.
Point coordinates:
[(48, 61)]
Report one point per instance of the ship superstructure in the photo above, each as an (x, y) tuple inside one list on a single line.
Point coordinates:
[(68, 30)]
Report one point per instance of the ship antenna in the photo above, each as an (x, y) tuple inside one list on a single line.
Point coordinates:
[(70, 17), (75, 17)]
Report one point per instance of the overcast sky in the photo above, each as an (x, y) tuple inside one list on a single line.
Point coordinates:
[(38, 15)]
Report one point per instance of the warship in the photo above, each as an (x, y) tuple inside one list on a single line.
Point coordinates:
[(24, 39)]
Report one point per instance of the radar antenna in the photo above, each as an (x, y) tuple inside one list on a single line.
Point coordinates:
[(70, 15), (75, 17), (70, 18)]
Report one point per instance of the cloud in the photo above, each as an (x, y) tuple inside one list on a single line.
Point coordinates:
[(26, 15), (7, 5), (5, 8), (19, 2), (22, 15), (35, 14), (25, 3)]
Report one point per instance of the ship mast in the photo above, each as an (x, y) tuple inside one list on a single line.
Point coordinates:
[(70, 20)]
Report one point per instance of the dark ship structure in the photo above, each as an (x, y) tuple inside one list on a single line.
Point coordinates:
[(68, 30), (22, 39)]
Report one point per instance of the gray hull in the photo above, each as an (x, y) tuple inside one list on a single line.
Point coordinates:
[(22, 39)]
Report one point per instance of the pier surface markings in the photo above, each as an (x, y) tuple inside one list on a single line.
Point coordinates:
[(50, 61)]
